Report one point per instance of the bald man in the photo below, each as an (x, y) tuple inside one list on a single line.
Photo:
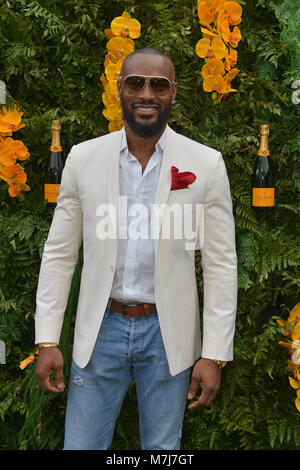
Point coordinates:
[(138, 313)]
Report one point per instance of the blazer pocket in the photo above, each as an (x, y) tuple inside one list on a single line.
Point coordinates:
[(185, 196)]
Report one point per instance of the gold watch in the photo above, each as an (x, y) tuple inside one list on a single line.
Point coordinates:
[(221, 364)]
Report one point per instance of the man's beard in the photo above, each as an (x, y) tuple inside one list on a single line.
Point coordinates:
[(145, 129)]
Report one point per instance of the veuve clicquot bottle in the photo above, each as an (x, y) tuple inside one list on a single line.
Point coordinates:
[(55, 165), (263, 190)]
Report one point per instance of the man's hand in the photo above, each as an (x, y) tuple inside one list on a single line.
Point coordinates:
[(50, 360), (206, 374)]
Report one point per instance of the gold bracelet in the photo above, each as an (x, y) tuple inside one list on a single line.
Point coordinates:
[(220, 364), (46, 345)]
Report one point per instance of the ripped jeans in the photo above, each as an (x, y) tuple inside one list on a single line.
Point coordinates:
[(126, 349)]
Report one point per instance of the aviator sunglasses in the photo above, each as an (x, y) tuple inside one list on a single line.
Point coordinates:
[(137, 82)]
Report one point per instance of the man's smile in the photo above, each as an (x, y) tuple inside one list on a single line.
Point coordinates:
[(146, 109)]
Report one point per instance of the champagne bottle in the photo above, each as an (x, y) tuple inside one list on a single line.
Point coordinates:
[(263, 190), (55, 165)]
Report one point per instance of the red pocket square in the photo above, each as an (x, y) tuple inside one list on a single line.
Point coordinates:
[(181, 180)]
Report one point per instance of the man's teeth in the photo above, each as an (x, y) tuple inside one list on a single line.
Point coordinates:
[(142, 108)]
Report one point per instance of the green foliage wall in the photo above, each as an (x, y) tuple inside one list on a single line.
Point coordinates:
[(51, 58)]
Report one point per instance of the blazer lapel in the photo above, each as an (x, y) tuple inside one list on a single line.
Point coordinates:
[(112, 175), (164, 181)]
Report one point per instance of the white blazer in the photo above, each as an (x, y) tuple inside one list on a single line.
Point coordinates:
[(91, 178)]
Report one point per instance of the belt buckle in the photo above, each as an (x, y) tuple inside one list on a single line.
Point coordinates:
[(124, 310), (124, 306)]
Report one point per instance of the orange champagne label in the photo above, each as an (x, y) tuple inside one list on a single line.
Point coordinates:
[(56, 148), (263, 197), (264, 153), (51, 192)]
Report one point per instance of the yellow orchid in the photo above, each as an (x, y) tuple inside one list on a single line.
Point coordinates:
[(120, 47), (296, 332), (214, 48), (216, 17), (280, 323), (230, 37), (208, 10), (112, 88), (108, 60), (13, 174), (126, 26), (114, 126), (285, 344), (10, 120), (202, 47), (15, 177), (294, 383), (232, 12), (114, 112), (112, 71), (292, 330), (213, 67), (120, 44), (295, 369), (108, 33), (16, 189), (292, 325), (108, 99), (103, 80), (11, 150), (105, 99), (230, 59), (215, 83), (295, 313), (209, 33)]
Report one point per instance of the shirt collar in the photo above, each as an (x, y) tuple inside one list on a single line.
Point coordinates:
[(160, 144)]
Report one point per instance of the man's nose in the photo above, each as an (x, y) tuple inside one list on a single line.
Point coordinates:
[(146, 92)]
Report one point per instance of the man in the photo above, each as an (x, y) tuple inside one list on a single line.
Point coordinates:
[(138, 313)]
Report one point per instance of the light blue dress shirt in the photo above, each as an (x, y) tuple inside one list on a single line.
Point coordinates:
[(134, 276)]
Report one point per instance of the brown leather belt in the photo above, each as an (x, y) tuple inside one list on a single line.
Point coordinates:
[(133, 310)]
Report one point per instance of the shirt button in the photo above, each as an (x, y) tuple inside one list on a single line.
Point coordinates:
[(112, 267), (130, 255)]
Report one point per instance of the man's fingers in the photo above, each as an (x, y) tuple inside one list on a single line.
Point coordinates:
[(45, 384), (59, 379), (48, 385), (207, 375), (57, 387), (206, 398), (50, 361), (193, 388)]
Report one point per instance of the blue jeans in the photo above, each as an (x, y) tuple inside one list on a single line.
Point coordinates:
[(126, 349)]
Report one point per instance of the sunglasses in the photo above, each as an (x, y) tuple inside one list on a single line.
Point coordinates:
[(137, 82)]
